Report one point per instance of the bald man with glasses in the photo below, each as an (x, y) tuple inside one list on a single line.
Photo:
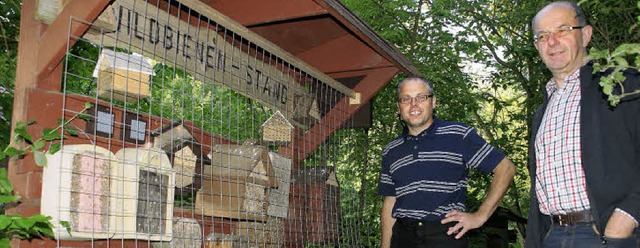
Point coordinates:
[(425, 171), (584, 155)]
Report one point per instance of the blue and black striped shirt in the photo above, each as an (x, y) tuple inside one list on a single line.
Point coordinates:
[(428, 173)]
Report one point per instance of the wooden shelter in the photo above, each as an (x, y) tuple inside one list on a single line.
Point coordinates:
[(320, 37)]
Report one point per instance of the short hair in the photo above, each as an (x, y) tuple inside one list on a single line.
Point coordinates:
[(415, 78), (579, 13)]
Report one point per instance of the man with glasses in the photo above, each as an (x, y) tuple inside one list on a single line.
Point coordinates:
[(424, 175), (584, 155)]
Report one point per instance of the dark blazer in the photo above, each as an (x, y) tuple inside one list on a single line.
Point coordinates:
[(610, 138)]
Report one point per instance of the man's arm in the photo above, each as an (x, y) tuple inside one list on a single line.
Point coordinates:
[(387, 221), (502, 176)]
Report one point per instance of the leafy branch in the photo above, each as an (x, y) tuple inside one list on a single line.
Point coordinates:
[(618, 62), (48, 135), (35, 226)]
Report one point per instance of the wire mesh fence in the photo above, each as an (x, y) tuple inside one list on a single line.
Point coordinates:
[(183, 132)]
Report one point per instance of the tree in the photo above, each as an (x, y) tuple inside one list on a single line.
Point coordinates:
[(485, 69), (9, 30)]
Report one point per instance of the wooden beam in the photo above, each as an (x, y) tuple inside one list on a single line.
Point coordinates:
[(68, 25), (310, 140)]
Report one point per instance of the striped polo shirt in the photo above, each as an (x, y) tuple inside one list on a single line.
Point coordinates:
[(428, 173)]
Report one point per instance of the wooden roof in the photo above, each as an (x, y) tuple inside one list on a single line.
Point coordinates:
[(322, 33)]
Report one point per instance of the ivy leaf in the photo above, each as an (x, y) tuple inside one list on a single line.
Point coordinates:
[(40, 158)]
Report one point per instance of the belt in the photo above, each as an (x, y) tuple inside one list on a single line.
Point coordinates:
[(569, 219), (408, 222)]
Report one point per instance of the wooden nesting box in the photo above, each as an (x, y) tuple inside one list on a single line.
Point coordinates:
[(321, 213), (185, 153), (306, 109), (277, 129), (186, 233), (279, 197), (76, 187), (145, 191), (184, 163), (236, 183), (123, 77), (258, 234), (171, 137)]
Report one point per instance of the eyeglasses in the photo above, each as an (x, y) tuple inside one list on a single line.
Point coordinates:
[(419, 99), (544, 36)]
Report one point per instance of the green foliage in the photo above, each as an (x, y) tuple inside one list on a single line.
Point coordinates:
[(9, 31), (625, 56), (21, 136), (20, 227), (17, 226)]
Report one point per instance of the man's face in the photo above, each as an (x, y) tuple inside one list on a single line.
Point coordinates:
[(417, 116), (563, 54)]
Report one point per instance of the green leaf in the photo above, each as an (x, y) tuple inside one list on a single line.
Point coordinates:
[(49, 134), (21, 131), (8, 198), (626, 49), (2, 155), (72, 131), (88, 105), (85, 117), (37, 145), (22, 222), (6, 188), (620, 61), (12, 151), (5, 242), (55, 147), (66, 226), (40, 158), (5, 221)]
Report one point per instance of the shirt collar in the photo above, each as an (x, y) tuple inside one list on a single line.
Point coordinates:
[(551, 85), (425, 133)]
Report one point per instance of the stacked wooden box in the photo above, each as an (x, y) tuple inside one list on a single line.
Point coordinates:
[(237, 183)]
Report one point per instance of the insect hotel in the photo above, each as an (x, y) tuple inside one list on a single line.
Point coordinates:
[(197, 123)]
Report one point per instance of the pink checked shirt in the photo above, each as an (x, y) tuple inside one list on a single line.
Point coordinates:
[(560, 181)]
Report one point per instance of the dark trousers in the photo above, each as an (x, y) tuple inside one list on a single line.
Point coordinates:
[(583, 236), (411, 233)]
